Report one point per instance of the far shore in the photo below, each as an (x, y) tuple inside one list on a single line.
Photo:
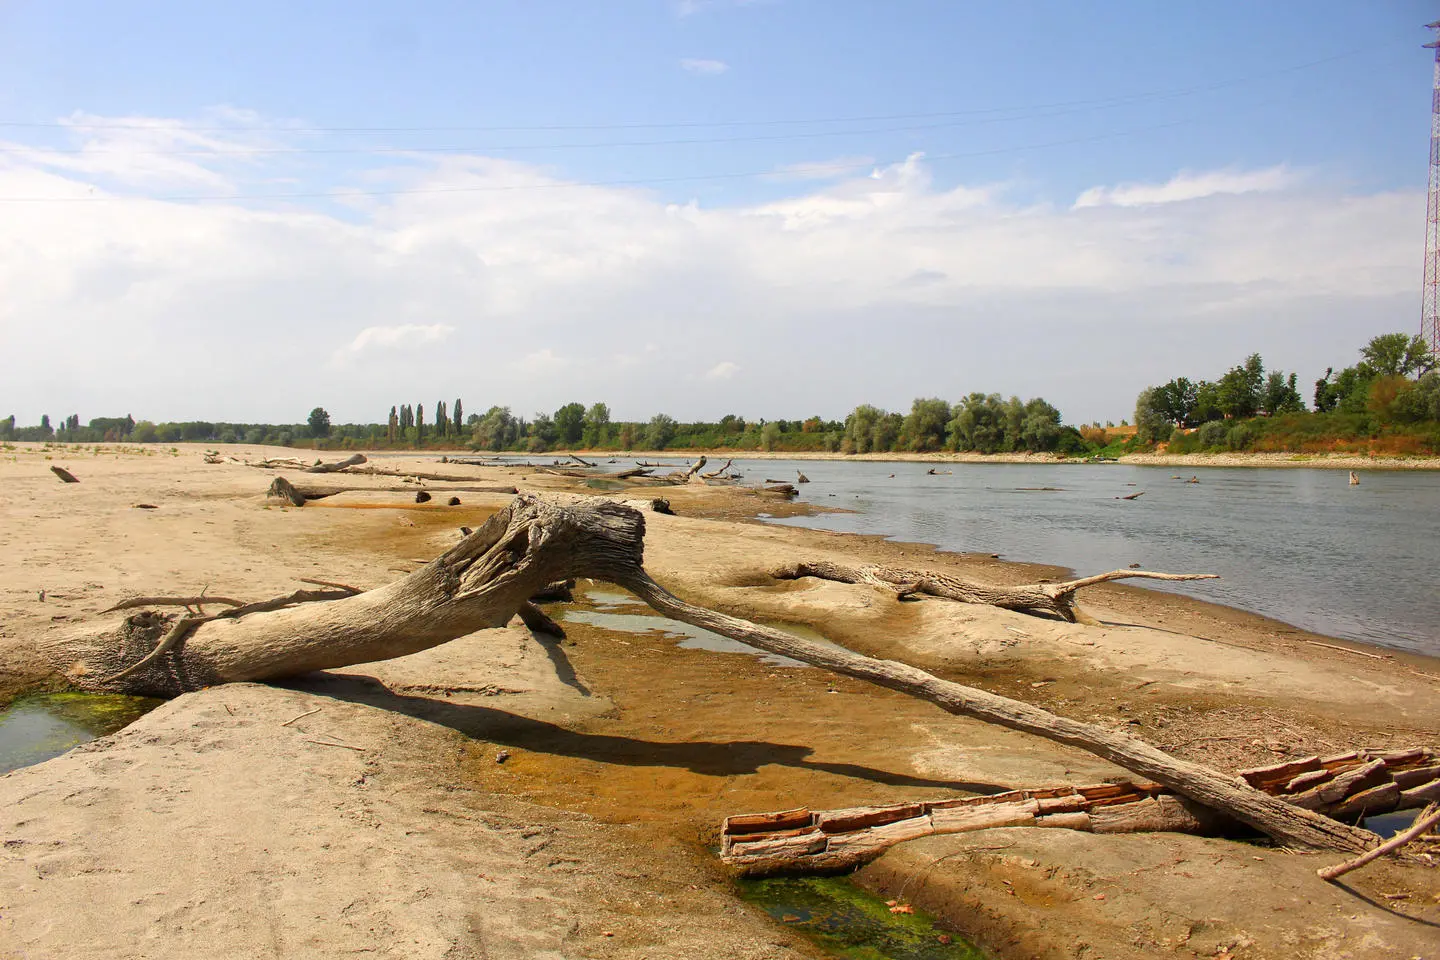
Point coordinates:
[(1322, 461)]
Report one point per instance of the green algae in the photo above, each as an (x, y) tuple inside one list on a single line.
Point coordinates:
[(850, 923), (36, 728)]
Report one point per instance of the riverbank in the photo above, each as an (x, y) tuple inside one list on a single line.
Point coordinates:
[(624, 747)]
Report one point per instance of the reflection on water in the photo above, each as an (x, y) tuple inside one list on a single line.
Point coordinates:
[(38, 728), (1300, 545)]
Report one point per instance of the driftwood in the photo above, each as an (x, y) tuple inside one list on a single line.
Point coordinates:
[(488, 578), (803, 478), (556, 471), (717, 473), (1425, 822), (801, 840), (354, 460), (583, 463), (65, 475), (1035, 598), (805, 841), (632, 472), (411, 474), (783, 489), (283, 489), (1132, 496)]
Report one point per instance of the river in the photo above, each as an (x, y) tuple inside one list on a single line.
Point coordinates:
[(1299, 545)]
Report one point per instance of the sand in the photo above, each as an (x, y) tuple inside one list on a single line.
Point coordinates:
[(212, 826)]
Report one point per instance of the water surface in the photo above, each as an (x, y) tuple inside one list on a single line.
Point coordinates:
[(35, 729), (1298, 544)]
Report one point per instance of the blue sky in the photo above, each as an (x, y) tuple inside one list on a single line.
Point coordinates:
[(729, 202)]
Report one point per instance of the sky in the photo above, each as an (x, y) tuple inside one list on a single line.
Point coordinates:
[(771, 208)]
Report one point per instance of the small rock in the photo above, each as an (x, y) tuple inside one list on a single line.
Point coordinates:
[(422, 497), (502, 756), (453, 502)]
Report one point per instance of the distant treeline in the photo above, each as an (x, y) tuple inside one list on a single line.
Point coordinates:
[(1388, 402), (986, 423)]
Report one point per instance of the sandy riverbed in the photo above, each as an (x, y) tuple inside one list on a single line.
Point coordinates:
[(211, 825)]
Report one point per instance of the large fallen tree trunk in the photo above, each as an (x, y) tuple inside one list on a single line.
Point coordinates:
[(283, 489), (488, 577), (1053, 598)]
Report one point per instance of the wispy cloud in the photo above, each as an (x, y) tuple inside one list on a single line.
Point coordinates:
[(704, 68), (723, 370), (400, 336), (1187, 185)]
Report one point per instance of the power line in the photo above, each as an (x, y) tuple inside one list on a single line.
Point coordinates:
[(646, 181), (872, 118)]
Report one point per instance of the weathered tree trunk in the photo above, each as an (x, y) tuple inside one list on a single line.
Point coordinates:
[(354, 460), (489, 577), (283, 489), (1054, 598)]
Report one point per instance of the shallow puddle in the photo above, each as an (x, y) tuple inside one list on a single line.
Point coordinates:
[(686, 636), (35, 729), (848, 922)]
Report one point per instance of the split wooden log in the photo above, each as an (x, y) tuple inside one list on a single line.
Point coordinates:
[(1035, 598), (804, 841), (488, 577), (65, 475), (757, 844)]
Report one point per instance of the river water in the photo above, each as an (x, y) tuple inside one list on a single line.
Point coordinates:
[(1300, 545)]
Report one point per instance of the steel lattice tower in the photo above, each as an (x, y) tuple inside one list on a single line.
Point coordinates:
[(1430, 309)]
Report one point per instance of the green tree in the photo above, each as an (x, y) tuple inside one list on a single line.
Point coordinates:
[(660, 432), (860, 428), (1041, 427), (497, 430), (144, 432), (1397, 355), (319, 422), (1240, 389), (419, 424), (1152, 416), (570, 424), (597, 425), (457, 417), (769, 436), (977, 424), (924, 427), (1280, 395), (442, 420)]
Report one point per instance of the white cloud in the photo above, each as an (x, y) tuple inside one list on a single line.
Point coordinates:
[(408, 336), (1187, 185), (876, 287), (723, 370), (708, 68)]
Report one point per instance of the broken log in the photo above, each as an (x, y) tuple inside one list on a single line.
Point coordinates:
[(65, 475), (583, 463), (1034, 598), (803, 478), (488, 578), (1132, 496), (783, 489), (1426, 821), (852, 838), (283, 489), (805, 841), (354, 460), (632, 472)]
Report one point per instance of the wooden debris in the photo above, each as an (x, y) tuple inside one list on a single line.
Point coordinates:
[(1426, 821), (1035, 598), (65, 475)]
